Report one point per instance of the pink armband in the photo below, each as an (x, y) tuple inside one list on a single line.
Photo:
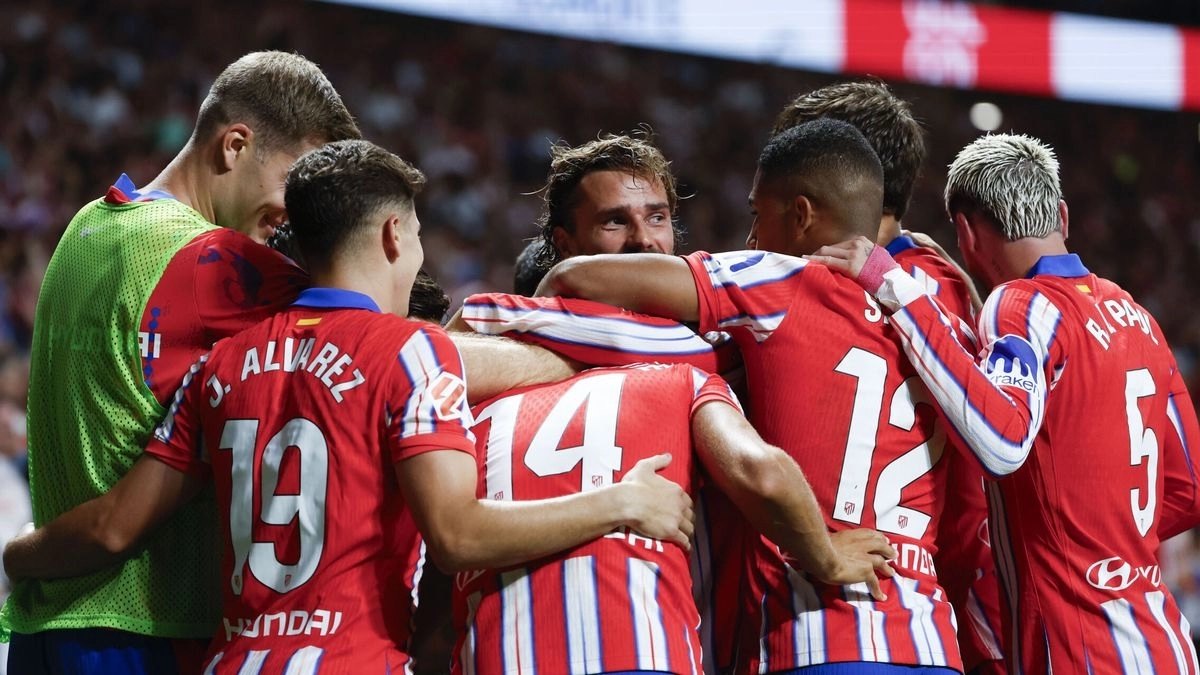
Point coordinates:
[(879, 263)]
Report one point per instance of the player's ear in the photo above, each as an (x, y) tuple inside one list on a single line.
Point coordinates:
[(234, 141), (563, 242), (1062, 217), (390, 236), (804, 216), (966, 236)]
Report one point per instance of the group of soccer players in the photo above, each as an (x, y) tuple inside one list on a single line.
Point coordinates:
[(308, 464)]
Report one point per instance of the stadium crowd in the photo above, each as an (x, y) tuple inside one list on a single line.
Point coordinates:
[(96, 91)]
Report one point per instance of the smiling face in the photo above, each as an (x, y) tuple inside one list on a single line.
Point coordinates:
[(617, 212), (254, 205)]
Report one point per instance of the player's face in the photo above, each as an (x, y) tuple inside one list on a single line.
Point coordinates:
[(409, 262), (257, 203), (618, 213), (772, 228)]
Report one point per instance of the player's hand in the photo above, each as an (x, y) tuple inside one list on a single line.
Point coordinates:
[(657, 507), (864, 556), (858, 258)]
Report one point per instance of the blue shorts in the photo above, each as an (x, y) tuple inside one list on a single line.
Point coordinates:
[(867, 668), (86, 651)]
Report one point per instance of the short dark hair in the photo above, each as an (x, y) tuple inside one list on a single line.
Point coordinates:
[(427, 301), (833, 165), (331, 191), (886, 121), (568, 165), (529, 268), (284, 98)]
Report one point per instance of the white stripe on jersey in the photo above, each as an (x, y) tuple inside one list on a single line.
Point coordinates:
[(467, 655), (872, 641), (687, 637), (808, 632), (415, 597), (516, 622), (1128, 639), (931, 284), (1157, 601), (747, 269), (1173, 415), (649, 635), (212, 665), (582, 608), (304, 661), (253, 663), (1185, 629), (926, 638), (977, 617), (611, 333), (1006, 564)]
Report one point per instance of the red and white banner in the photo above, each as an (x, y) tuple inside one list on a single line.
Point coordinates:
[(952, 44)]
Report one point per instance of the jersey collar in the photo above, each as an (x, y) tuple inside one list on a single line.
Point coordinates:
[(899, 244), (1067, 265), (335, 298), (124, 191)]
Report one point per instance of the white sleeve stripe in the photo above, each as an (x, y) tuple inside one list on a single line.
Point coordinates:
[(1177, 424), (999, 455), (767, 268), (420, 364)]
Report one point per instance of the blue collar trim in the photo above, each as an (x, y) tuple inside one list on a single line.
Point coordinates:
[(899, 244), (125, 185), (334, 298), (1067, 265)]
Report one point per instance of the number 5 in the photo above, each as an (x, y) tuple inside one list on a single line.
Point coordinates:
[(1143, 444)]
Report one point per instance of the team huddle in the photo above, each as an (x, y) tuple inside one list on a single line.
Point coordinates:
[(822, 454)]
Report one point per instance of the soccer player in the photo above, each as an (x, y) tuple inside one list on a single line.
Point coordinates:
[(624, 602), (333, 432), (142, 282), (1074, 405), (830, 385), (964, 558)]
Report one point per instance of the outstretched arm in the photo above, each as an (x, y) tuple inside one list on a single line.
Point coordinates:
[(465, 533), (650, 283), (495, 364), (99, 533), (773, 493), (996, 407)]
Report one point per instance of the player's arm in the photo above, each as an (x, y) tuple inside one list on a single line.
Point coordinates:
[(465, 533), (99, 533), (588, 332), (996, 407), (495, 364), (1180, 464), (650, 283), (771, 490)]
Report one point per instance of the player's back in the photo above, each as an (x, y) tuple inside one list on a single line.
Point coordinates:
[(829, 383), (1077, 539), (619, 603), (306, 412)]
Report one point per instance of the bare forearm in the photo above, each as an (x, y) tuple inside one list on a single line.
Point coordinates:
[(494, 365), (650, 283), (65, 547)]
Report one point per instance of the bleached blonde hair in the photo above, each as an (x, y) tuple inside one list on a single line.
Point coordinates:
[(1012, 179)]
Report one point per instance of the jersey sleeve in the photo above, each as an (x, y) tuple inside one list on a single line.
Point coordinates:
[(1181, 493), (993, 402), (238, 282), (749, 290), (707, 388), (428, 404), (177, 440), (589, 332), (940, 279)]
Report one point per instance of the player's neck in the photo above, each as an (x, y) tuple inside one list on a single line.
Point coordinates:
[(1021, 255), (187, 181), (361, 278), (889, 229)]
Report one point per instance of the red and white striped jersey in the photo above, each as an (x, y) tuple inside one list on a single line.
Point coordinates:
[(602, 335), (622, 602), (1078, 409), (829, 383), (299, 421), (964, 560)]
